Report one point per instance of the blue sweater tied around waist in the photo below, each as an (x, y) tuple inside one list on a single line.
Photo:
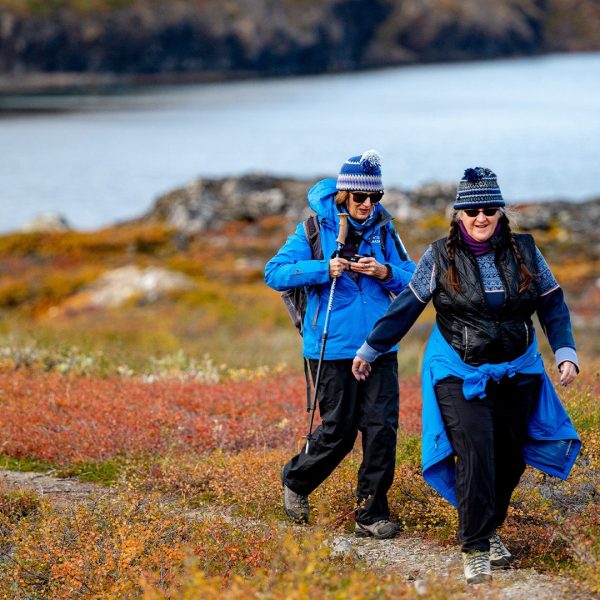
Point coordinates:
[(553, 442)]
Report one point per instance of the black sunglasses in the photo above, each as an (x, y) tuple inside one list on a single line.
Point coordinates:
[(360, 197), (473, 212)]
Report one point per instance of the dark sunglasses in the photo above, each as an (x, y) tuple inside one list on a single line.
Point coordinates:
[(473, 212), (360, 197)]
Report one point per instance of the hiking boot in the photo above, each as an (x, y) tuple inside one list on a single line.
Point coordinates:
[(295, 505), (382, 530), (477, 566), (500, 557)]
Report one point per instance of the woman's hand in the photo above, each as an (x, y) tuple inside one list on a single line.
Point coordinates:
[(568, 372), (360, 368), (369, 266), (337, 266)]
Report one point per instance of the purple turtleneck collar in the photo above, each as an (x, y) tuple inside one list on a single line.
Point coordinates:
[(478, 248)]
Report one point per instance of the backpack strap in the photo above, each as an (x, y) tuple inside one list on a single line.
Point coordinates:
[(313, 235), (389, 229)]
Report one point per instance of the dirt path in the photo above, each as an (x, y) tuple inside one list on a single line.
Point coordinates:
[(419, 559), (61, 491), (416, 559)]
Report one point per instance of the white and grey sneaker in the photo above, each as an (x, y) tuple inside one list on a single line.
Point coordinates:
[(382, 530), (500, 557), (295, 505), (477, 566)]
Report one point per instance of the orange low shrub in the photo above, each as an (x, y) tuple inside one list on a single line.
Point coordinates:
[(65, 419)]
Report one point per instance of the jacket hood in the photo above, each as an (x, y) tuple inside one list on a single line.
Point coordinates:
[(321, 200)]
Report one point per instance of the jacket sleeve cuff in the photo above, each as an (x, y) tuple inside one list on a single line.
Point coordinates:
[(388, 276), (566, 353), (399, 276), (367, 353)]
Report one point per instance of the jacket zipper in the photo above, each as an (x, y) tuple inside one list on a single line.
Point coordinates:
[(363, 304), (466, 343), (526, 336), (314, 323)]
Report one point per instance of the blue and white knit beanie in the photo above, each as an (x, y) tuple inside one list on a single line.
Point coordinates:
[(478, 189), (361, 173)]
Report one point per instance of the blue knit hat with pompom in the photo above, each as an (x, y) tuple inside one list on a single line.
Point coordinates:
[(361, 173), (478, 189)]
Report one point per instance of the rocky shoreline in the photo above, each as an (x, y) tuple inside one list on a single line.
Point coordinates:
[(208, 204), (66, 45)]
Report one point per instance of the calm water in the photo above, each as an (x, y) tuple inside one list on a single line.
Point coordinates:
[(536, 122)]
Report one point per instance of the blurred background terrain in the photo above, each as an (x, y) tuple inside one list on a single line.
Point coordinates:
[(185, 279), (208, 38)]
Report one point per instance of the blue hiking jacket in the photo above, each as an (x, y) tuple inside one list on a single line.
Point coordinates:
[(553, 442), (356, 305)]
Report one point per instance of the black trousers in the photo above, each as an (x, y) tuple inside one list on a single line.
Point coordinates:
[(348, 406), (487, 436)]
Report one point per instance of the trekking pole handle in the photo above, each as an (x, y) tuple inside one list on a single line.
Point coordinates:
[(341, 238)]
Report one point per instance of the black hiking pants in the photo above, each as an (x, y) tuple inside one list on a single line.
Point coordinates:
[(488, 436), (348, 406)]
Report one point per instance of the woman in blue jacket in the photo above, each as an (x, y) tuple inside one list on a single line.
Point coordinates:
[(372, 265), (486, 397)]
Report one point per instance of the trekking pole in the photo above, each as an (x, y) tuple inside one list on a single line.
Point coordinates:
[(341, 240)]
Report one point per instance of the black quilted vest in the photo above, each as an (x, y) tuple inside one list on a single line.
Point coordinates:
[(478, 334)]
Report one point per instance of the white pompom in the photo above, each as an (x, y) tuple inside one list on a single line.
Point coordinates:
[(370, 160)]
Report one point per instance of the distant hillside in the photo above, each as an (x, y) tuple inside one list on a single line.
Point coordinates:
[(276, 37)]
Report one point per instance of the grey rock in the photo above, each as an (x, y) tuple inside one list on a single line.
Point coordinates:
[(434, 196), (341, 547), (189, 209), (210, 203), (46, 222), (400, 205), (126, 283)]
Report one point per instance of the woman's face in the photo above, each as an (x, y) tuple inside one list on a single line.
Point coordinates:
[(360, 205), (481, 226)]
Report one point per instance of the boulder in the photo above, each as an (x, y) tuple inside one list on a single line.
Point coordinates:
[(46, 223), (207, 204), (124, 284), (210, 203)]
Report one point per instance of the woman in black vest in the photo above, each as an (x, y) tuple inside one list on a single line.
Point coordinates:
[(484, 373)]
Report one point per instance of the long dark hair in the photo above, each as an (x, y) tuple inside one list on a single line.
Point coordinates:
[(452, 278)]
